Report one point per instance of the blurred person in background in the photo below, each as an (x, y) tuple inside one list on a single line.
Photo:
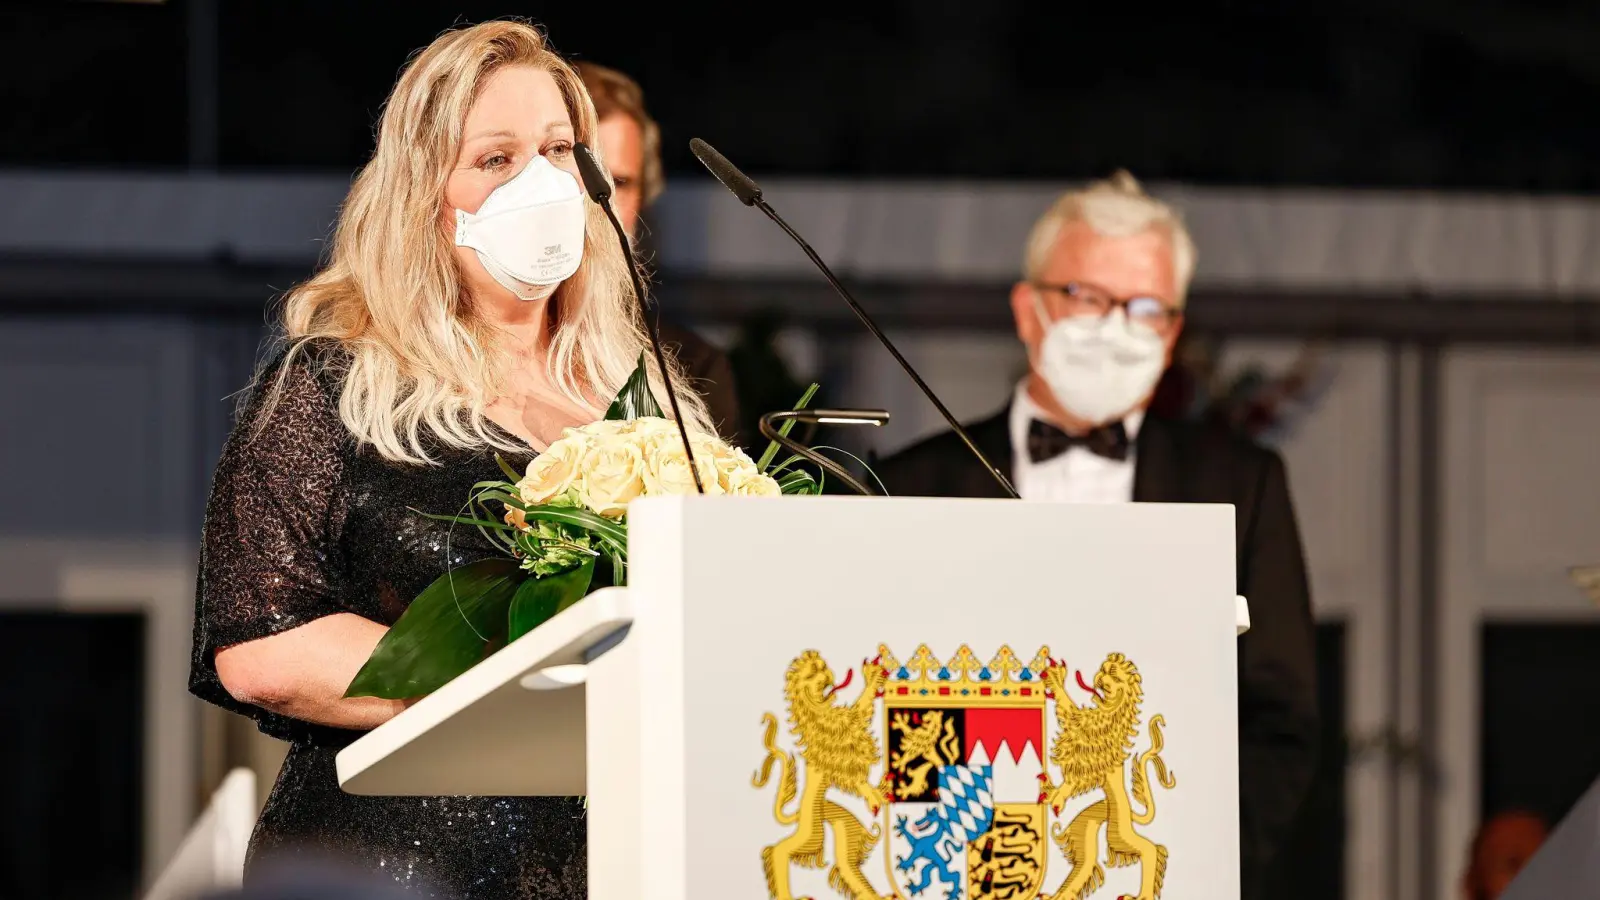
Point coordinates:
[(1502, 846), (475, 303), (630, 144), (1099, 309)]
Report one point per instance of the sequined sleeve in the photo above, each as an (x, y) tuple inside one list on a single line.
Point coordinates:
[(269, 557)]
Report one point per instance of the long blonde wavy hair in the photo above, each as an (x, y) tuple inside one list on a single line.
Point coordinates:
[(422, 362)]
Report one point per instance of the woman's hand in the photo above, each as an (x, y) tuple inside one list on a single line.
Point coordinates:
[(303, 672)]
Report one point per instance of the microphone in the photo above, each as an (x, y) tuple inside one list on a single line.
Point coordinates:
[(743, 187), (598, 186), (749, 193), (595, 181)]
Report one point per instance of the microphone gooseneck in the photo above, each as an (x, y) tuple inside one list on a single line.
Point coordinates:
[(749, 193), (599, 190)]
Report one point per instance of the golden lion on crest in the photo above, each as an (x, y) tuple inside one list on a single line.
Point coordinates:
[(839, 750), (1092, 751)]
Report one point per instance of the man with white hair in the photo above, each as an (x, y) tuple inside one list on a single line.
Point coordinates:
[(1099, 311)]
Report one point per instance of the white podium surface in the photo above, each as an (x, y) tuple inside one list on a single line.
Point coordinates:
[(734, 595), (503, 728), (998, 627)]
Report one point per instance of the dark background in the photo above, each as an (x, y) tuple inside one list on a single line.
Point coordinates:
[(72, 700), (1541, 716), (1483, 94)]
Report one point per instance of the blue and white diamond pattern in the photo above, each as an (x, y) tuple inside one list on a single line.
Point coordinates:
[(965, 800)]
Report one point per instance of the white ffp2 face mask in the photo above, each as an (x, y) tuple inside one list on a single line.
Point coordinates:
[(1099, 369), (529, 231)]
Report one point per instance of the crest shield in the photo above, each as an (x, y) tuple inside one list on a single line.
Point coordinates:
[(963, 762)]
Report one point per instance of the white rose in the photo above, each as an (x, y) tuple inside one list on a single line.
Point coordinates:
[(729, 456), (732, 463), (663, 431), (666, 466), (549, 476), (654, 425), (748, 482), (611, 474), (602, 428)]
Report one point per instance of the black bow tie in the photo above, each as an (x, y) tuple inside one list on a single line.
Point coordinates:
[(1046, 441)]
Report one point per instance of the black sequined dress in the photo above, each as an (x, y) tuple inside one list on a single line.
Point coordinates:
[(300, 524)]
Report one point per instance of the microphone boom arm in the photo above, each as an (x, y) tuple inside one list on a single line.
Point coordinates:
[(599, 190), (877, 332)]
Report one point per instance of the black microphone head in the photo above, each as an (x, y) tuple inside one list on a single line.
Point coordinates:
[(594, 178), (734, 180)]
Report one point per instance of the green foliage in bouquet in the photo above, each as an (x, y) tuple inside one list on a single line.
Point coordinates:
[(558, 550)]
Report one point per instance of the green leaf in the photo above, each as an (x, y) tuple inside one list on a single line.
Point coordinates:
[(442, 633), (511, 474), (872, 477), (608, 569), (527, 544), (797, 481), (465, 520), (602, 527), (635, 401), (540, 598), (784, 429), (494, 495), (780, 467)]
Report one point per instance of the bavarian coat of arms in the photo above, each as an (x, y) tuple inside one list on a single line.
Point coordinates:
[(975, 762)]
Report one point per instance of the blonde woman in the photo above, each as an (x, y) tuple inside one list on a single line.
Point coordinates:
[(474, 303)]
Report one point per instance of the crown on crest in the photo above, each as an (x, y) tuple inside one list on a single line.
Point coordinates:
[(964, 679)]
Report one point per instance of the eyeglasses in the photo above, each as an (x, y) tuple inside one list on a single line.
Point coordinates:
[(1081, 299)]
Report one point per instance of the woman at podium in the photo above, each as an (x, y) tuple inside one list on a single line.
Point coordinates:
[(474, 303)]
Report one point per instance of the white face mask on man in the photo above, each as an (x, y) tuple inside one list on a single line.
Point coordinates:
[(1098, 368), (529, 231)]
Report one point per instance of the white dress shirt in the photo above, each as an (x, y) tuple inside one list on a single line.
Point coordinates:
[(1076, 476)]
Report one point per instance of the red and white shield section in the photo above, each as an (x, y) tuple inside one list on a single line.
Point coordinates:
[(1012, 742)]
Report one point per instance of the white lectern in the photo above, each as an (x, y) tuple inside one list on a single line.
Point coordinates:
[(909, 698)]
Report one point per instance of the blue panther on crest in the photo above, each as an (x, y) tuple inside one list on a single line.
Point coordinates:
[(965, 810), (936, 846)]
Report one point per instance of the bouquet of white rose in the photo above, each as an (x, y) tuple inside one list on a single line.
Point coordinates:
[(564, 523)]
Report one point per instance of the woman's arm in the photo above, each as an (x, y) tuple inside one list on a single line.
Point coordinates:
[(303, 672), (273, 631)]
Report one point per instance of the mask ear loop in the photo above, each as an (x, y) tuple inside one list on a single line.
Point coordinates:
[(1045, 324), (1039, 313)]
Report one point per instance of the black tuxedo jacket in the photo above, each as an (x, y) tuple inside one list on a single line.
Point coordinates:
[(1179, 462)]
